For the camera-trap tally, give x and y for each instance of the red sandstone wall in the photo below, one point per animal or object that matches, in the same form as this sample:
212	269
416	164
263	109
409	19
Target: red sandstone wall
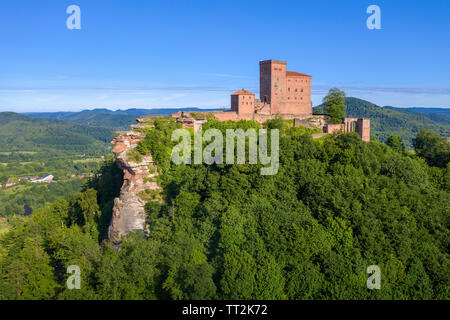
278	87
298	95
287	94
246	104
350	124
333	128
273	84
226	115
363	129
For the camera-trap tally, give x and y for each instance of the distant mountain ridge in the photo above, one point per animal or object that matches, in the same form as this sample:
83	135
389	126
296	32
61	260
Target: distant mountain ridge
444	111
119	119
435	114
385	121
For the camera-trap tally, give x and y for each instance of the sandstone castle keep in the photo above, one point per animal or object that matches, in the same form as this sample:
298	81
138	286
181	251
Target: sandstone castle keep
283	93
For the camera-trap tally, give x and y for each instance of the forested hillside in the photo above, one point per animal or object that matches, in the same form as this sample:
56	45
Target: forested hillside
24	133
438	115
32	147
336	206
443	111
388	121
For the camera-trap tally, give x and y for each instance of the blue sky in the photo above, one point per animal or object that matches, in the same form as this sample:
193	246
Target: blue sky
144	54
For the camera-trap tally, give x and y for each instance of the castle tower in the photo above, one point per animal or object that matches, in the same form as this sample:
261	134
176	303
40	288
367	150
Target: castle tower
287	92
243	103
363	128
272	84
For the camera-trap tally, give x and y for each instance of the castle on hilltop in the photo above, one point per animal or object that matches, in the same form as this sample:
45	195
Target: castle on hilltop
283	93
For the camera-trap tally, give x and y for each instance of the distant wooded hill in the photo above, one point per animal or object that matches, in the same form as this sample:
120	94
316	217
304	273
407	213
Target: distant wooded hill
19	132
444	111
404	122
385	121
441	115
120	119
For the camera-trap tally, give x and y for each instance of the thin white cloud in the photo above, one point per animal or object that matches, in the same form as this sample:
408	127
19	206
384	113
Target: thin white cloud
405	90
106	88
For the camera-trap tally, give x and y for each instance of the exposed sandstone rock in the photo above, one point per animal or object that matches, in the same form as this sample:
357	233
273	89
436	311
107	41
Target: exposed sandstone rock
128	212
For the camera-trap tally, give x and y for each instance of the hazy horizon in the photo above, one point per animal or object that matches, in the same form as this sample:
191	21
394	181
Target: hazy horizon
114	109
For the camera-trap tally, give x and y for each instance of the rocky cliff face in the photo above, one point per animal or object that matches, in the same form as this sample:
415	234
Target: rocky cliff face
139	177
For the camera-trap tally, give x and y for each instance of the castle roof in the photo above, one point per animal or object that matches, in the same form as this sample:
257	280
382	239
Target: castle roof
296	74
242	92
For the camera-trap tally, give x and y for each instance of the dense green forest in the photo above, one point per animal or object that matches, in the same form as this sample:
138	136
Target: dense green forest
336	206
26	197
442	111
403	122
441	115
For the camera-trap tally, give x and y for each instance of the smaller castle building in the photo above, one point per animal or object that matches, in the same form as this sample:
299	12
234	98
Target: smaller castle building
243	103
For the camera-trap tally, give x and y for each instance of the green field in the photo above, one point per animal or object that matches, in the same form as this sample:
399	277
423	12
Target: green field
88	160
35	195
20	152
